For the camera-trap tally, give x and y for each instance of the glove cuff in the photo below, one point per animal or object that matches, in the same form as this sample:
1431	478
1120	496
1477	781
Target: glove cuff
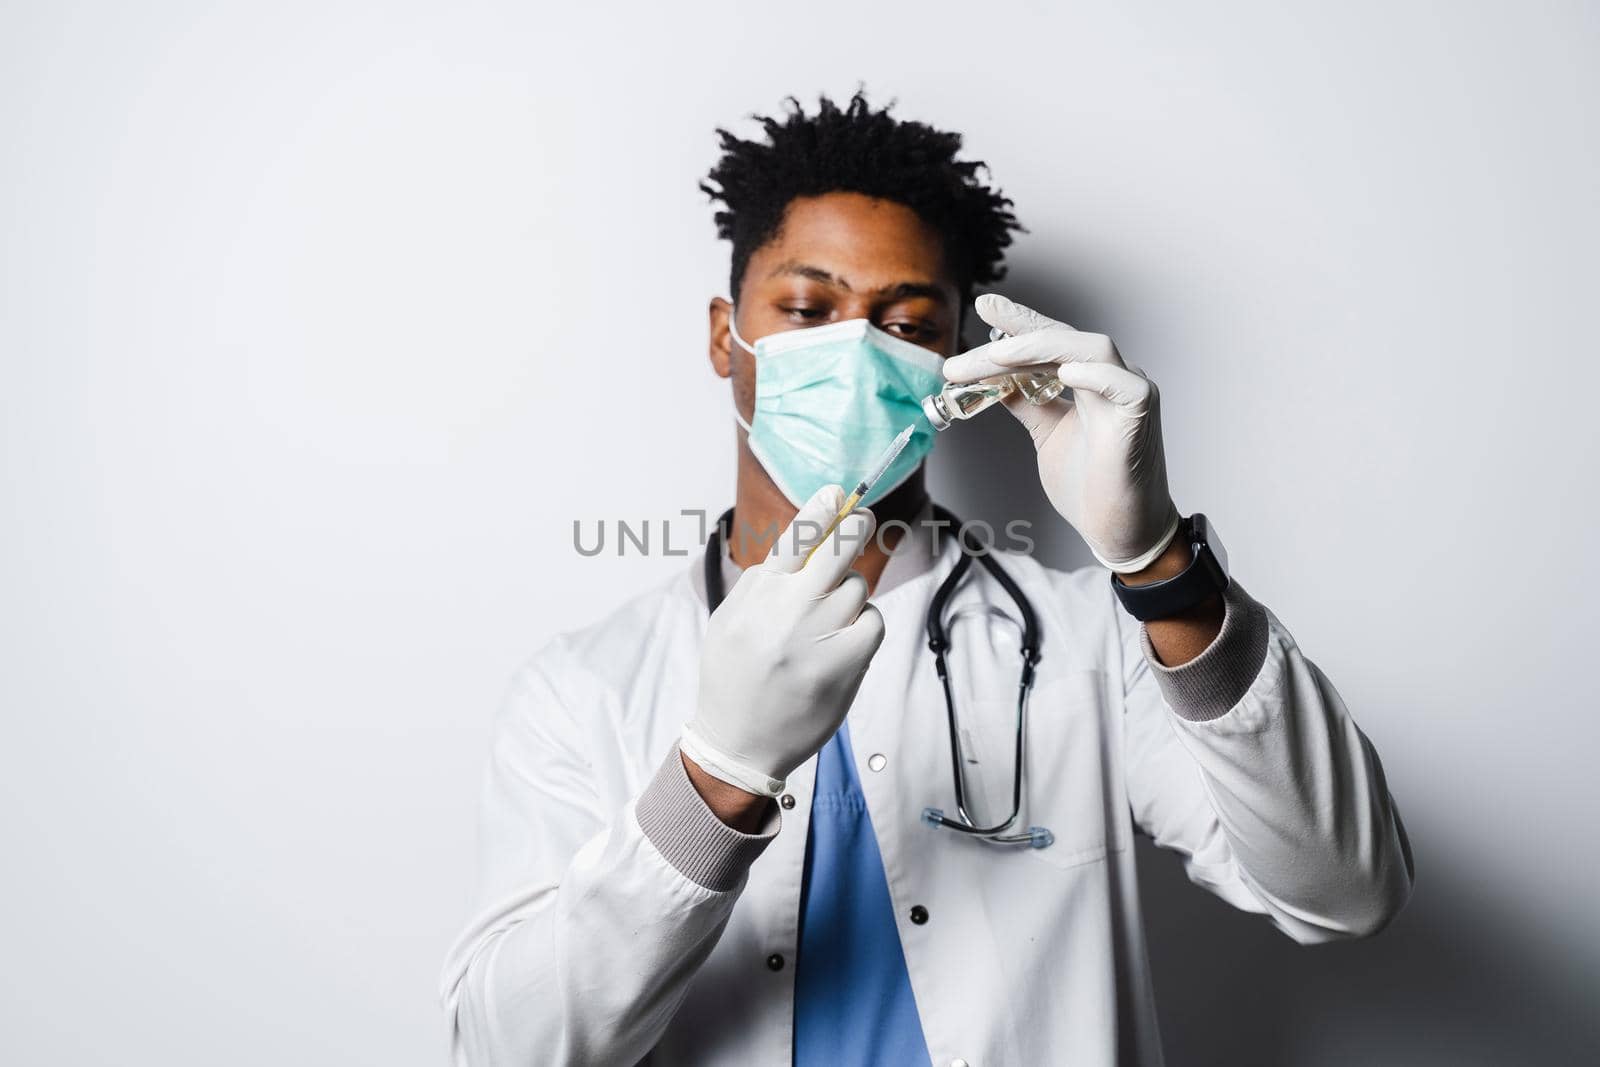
1144	559
725	768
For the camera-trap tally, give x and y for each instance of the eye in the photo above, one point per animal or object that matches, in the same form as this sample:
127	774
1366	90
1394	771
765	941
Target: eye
912	330
804	314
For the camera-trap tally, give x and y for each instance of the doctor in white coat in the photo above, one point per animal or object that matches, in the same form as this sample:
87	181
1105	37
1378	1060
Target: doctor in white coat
660	879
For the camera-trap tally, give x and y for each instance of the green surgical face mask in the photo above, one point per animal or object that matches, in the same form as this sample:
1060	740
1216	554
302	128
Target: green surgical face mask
830	399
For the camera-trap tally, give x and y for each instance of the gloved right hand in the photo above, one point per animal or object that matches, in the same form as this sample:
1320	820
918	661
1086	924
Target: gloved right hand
1100	455
785	653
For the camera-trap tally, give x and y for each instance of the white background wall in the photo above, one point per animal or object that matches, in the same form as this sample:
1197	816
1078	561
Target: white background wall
320	323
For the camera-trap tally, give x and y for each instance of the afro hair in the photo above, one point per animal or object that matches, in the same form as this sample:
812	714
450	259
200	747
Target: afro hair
861	150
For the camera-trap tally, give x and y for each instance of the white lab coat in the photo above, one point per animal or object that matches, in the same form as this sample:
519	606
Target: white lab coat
592	947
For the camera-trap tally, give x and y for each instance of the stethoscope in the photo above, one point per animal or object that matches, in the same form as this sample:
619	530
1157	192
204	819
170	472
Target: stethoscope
1005	832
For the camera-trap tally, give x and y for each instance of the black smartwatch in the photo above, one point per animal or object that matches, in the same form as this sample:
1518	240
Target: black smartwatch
1204	577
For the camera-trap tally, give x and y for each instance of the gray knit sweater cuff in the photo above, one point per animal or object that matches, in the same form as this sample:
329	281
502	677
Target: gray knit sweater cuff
1208	686
688	834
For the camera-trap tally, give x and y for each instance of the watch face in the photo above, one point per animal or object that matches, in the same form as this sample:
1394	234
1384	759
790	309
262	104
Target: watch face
1203	533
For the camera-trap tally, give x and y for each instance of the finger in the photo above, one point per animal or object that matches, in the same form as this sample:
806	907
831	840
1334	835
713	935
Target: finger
1117	384
789	552
840	608
860	640
835	556
1042	348
1013	318
1006	355
1040	420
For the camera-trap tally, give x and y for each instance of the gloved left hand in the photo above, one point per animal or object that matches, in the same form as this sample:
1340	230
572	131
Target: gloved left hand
1100	455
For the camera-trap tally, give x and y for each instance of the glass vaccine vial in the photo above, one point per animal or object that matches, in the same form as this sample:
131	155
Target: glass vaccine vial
956	402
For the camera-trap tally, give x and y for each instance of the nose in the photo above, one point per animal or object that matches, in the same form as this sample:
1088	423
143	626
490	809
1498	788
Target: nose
856	307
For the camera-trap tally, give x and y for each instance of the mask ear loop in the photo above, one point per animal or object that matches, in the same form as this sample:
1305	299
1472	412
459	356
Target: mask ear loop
733	332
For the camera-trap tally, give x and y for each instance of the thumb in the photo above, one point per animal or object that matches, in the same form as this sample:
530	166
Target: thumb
1040	420
1011	317
794	544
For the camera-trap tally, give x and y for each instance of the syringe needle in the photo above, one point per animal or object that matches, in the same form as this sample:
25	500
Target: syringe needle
864	486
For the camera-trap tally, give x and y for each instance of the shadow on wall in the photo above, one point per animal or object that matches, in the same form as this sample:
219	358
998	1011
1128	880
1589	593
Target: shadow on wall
1450	982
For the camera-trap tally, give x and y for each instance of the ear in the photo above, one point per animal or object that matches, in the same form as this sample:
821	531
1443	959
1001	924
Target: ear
721	351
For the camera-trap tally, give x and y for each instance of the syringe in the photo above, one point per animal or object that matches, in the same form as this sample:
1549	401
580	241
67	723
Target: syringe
864	486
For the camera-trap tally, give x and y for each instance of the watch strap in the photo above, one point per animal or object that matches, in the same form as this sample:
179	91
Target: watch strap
1202	579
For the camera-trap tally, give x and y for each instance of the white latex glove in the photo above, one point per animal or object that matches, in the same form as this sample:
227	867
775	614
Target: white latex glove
785	653
1100	456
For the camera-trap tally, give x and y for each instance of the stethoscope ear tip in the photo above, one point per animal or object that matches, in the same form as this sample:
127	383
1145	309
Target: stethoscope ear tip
1036	836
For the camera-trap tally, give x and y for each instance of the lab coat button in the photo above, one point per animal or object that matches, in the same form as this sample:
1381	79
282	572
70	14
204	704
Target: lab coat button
919	914
877	761
958	1063
775	962
787	800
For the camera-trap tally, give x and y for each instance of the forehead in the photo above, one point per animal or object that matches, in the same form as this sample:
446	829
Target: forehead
867	241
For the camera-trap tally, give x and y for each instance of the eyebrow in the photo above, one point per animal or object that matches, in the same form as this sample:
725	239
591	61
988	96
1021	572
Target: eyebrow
895	290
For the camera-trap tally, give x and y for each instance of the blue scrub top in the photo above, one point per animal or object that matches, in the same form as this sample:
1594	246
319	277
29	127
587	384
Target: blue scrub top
852	996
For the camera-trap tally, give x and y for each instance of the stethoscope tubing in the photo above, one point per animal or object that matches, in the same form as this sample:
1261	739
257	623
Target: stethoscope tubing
939	645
